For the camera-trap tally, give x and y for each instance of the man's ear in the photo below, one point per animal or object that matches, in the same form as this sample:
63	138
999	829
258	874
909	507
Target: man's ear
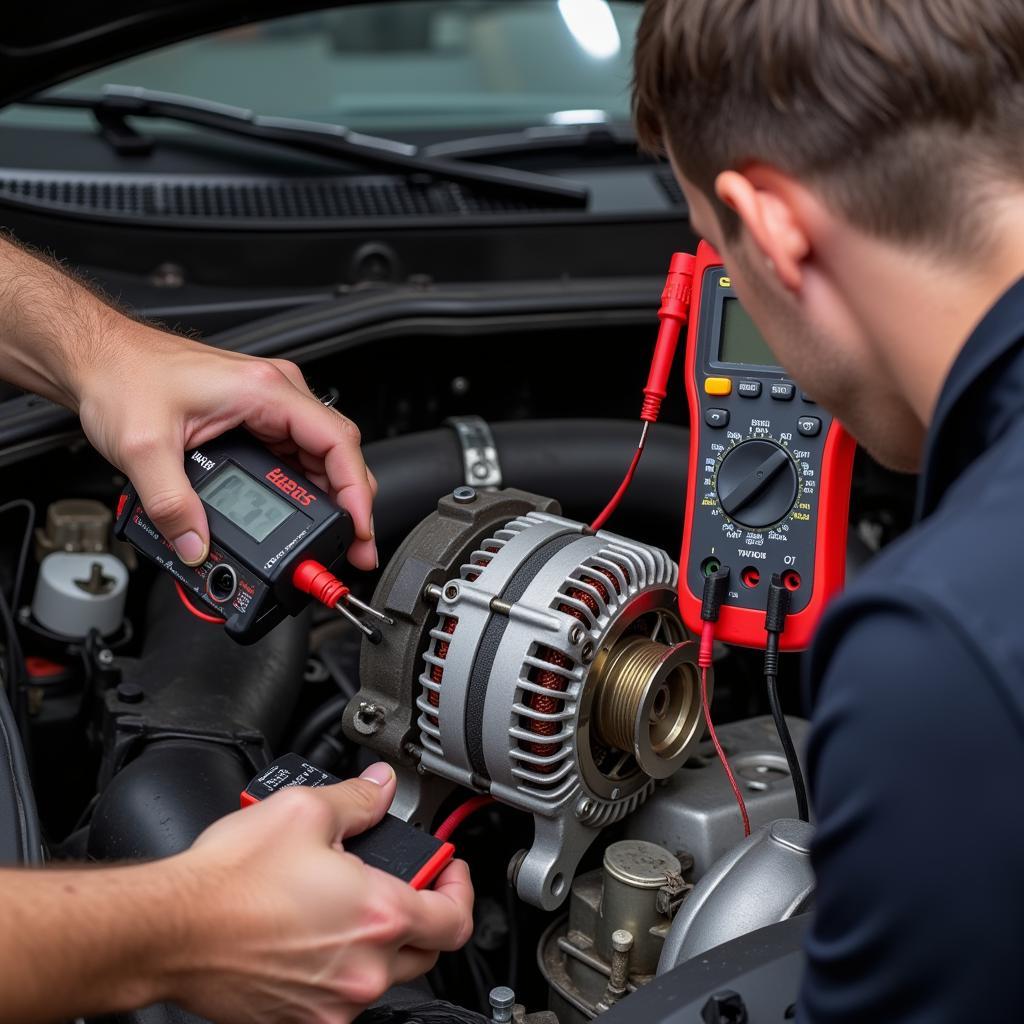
765	206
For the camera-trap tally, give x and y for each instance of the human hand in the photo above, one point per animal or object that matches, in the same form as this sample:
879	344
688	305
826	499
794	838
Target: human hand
294	929
148	396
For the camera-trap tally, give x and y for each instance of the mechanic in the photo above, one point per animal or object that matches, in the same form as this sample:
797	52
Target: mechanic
860	167
264	918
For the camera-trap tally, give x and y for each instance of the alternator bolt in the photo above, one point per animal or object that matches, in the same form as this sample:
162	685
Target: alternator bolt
588	652
502	999
514	865
576	635
583	807
451	592
368	718
464	495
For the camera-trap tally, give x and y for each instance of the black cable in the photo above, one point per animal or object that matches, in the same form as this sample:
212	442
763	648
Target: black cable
319	722
14	671
774	624
331	661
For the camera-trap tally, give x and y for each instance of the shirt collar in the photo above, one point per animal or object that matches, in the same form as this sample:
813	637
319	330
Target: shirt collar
983	391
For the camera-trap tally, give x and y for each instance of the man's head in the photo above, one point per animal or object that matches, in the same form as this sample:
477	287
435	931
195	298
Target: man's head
825	142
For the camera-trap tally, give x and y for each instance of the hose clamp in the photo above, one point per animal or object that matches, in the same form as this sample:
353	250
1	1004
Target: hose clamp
480	465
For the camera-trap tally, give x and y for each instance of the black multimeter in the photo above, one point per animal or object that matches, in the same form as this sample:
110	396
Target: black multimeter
265	519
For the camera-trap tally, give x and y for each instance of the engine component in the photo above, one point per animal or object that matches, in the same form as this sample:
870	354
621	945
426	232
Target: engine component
556	674
611	941
75	524
78	592
695	809
194	718
764	880
481	466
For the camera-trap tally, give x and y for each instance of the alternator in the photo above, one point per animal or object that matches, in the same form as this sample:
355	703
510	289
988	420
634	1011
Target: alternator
554	673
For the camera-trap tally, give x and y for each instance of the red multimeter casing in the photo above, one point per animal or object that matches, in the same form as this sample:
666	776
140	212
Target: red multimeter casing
769	476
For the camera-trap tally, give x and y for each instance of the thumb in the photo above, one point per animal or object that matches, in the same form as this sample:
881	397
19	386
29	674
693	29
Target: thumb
169	500
360	803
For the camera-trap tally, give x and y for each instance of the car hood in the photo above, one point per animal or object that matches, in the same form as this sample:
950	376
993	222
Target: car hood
49	43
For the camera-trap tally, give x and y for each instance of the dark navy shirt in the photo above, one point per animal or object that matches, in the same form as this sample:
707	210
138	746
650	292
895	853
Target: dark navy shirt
916	756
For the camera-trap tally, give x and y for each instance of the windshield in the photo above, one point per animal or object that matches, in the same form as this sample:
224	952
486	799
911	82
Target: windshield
477	65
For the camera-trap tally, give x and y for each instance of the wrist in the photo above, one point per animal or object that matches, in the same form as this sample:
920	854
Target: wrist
181	941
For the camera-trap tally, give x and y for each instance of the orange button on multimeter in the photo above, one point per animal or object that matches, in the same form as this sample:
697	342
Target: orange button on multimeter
717	386
392	845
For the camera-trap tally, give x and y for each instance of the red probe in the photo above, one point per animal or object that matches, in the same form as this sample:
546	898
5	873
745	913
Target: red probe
322	585
673	314
316	580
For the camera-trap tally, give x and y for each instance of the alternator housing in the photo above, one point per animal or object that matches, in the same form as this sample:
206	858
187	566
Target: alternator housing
556	675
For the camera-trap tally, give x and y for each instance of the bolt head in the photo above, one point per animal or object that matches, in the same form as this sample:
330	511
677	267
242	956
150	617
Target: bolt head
588	652
622	940
451	592
583	807
502	997
575	634
464	495
105	656
368	718
130	693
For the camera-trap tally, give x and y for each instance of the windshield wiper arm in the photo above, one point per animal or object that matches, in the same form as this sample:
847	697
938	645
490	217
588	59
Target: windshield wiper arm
535	140
118	102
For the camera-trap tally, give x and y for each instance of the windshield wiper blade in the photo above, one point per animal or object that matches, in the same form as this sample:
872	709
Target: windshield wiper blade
535	140
118	102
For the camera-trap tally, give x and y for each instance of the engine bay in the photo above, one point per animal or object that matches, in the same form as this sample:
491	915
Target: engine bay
530	660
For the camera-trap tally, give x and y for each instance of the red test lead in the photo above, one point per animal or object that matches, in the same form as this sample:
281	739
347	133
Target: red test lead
673	314
316	580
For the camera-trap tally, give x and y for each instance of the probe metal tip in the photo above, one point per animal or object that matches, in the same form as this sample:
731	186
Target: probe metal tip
371	634
369	611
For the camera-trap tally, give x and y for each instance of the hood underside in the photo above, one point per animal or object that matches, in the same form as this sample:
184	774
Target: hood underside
42	45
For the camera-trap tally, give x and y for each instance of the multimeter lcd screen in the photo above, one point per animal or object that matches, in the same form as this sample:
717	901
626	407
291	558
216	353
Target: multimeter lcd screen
253	508
741	340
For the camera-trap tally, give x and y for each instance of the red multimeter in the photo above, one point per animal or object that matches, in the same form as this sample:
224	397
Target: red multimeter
769	478
392	845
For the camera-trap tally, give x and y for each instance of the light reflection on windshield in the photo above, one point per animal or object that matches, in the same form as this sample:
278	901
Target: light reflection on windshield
473	64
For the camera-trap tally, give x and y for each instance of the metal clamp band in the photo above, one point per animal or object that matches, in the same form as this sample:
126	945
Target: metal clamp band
481	467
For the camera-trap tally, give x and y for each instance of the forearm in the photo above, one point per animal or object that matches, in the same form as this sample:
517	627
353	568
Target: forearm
94	940
51	327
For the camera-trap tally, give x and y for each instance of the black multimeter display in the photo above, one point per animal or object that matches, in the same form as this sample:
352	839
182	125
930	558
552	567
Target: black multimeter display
265	519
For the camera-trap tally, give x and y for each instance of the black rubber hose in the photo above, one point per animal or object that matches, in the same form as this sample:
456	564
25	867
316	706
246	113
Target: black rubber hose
197	680
580	462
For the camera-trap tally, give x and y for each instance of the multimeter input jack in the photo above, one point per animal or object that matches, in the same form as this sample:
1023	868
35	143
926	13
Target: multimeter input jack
751	576
791	579
710	566
221	583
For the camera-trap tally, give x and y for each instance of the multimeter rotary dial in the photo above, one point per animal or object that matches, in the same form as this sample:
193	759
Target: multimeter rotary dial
757	483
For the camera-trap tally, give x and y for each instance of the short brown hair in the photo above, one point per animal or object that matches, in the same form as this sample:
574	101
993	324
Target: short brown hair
891	108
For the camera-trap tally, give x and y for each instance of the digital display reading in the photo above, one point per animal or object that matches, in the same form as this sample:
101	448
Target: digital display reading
253	508
741	340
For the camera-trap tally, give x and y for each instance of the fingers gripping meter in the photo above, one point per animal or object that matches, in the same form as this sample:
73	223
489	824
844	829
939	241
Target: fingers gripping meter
769	474
265	520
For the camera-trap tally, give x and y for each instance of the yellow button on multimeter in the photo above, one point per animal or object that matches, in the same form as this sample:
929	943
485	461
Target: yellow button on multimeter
717	386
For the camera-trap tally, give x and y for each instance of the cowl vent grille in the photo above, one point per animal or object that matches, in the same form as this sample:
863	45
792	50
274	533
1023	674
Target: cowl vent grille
248	200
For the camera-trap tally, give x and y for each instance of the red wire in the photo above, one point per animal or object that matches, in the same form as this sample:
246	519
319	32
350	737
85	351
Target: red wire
459	815
215	619
623	487
721	753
